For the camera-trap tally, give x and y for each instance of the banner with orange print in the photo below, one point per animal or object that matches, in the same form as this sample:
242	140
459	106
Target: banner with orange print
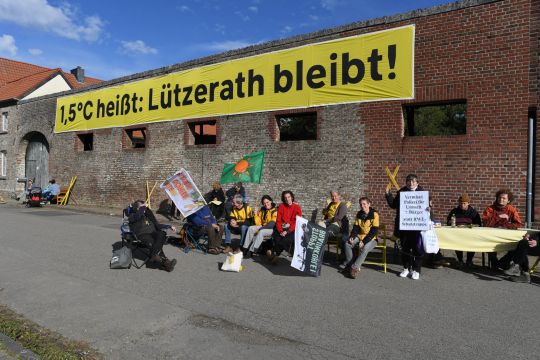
184	193
247	169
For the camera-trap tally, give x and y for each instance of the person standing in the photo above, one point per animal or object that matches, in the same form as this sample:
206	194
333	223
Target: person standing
411	240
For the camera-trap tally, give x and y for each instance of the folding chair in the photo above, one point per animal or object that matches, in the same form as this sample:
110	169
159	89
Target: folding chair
194	239
130	240
381	245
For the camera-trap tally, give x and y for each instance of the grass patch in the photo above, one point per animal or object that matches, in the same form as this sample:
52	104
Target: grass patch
45	343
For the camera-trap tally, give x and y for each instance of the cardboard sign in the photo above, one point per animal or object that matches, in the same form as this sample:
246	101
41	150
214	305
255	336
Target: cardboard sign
414	210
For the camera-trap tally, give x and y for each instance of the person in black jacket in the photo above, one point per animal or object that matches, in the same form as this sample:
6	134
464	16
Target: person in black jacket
464	214
216	200
146	228
411	240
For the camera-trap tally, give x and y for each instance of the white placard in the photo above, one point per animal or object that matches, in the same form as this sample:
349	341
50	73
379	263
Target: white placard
184	193
414	210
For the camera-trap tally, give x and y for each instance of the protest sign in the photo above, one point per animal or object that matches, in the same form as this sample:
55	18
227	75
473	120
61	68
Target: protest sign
414	210
309	242
184	193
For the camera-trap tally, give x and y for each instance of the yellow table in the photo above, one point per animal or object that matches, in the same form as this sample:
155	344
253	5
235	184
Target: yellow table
478	239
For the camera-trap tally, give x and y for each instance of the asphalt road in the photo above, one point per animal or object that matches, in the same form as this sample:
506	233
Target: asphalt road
54	270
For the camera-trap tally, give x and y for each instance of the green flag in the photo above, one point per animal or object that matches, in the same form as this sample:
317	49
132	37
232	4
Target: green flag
248	169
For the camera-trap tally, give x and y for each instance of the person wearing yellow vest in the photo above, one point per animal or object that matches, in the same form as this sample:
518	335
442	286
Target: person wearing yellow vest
363	236
265	219
334	214
238	222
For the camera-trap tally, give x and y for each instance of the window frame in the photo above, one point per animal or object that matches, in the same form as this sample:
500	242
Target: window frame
193	137
408	110
296	113
81	142
129	144
3	164
4	119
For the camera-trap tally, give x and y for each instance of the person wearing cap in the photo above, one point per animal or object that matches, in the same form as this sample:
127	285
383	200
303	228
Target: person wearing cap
464	214
412	249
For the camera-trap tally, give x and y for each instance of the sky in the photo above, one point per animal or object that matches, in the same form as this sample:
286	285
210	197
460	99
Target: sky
114	38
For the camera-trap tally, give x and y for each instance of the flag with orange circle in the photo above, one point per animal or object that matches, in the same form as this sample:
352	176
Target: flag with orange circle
247	169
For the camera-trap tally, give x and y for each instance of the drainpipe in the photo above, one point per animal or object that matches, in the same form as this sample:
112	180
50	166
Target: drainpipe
530	165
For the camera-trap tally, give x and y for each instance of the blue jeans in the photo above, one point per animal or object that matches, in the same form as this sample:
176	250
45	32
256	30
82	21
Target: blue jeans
241	230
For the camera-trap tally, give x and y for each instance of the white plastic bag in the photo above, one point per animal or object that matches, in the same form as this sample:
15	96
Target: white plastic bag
430	241
233	262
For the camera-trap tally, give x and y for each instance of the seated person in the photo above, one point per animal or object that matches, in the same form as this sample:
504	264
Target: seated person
25	194
216	200
519	262
363	236
144	225
265	219
238	222
334	214
464	215
501	215
51	191
203	222
285	224
236	189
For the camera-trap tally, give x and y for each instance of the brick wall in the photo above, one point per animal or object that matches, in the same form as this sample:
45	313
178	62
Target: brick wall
480	51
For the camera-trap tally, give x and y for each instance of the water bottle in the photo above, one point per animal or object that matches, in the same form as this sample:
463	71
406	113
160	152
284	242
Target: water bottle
453	220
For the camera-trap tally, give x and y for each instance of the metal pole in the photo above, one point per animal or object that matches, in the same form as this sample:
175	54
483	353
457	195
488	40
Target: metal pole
530	166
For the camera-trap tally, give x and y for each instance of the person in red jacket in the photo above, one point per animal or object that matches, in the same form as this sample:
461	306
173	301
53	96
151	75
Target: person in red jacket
501	215
285	223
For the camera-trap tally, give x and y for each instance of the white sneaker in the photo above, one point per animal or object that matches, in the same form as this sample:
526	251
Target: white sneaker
415	275
404	273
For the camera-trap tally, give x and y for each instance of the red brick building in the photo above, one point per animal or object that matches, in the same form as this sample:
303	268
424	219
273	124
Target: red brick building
479	54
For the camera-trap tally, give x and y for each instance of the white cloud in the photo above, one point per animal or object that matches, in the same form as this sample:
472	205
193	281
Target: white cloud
286	29
136	47
329	4
184	8
35	52
313	17
242	16
60	20
7	45
223	45
253	9
220	28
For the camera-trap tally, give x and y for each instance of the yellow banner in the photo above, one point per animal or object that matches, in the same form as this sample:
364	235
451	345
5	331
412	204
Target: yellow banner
369	67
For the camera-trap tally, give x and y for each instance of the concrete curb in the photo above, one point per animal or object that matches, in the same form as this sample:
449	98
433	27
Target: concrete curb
14	347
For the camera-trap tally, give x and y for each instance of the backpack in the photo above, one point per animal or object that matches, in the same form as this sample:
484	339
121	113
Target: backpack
121	258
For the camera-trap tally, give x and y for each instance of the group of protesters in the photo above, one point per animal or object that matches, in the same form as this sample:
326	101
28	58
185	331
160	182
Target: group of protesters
269	230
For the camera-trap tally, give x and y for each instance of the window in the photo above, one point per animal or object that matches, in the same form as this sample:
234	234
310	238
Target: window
86	141
293	127
436	119
137	137
3	164
4	124
203	132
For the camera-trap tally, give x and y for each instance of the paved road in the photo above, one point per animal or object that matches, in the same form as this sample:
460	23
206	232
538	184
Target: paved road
54	270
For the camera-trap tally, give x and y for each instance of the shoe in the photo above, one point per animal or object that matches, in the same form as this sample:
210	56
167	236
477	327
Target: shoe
460	264
415	275
354	272
404	273
168	265
514	270
248	255
227	249
269	253
342	266
274	260
525	278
